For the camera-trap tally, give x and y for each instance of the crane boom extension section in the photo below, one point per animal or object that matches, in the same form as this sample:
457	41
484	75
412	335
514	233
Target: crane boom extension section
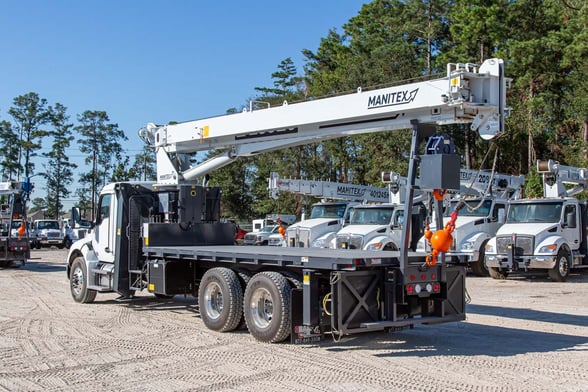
168	237
467	94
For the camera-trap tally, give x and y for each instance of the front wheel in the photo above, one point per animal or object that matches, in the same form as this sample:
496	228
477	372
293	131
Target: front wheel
67	242
266	307
497	273
220	298
78	282
561	269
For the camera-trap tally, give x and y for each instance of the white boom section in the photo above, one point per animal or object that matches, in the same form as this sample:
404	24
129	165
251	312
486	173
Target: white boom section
556	176
468	94
10	188
328	189
498	185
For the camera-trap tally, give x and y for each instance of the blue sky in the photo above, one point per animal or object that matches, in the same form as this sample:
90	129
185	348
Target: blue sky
154	60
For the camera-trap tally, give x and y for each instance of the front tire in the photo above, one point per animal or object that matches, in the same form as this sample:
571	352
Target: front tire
497	273
67	242
266	307
78	282
479	267
561	269
220	298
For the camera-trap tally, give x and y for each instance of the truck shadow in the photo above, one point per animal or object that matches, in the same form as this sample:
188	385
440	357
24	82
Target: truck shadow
41	266
529	314
463	339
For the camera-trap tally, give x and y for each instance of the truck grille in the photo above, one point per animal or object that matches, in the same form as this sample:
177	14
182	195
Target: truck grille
523	244
53	235
349	242
274	241
303	238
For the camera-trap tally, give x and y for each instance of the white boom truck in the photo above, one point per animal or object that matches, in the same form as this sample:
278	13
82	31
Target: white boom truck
167	237
544	234
379	227
326	217
481	216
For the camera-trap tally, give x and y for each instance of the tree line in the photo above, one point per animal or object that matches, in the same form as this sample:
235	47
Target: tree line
544	44
36	123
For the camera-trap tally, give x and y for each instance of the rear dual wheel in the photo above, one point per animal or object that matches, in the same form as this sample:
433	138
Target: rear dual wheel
220	297
266	306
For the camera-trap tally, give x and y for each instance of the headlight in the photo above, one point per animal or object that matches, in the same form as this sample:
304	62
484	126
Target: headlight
468	245
376	246
320	243
489	248
548	249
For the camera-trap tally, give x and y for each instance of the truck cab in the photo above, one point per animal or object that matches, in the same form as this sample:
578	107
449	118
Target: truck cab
47	233
540	234
378	227
478	221
326	218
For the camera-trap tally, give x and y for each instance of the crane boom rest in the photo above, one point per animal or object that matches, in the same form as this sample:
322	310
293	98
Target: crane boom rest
14	241
167	237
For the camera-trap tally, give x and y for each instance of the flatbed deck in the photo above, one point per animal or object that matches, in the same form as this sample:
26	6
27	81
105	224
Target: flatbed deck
283	256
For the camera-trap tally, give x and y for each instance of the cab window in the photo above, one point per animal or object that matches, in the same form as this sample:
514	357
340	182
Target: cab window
103	209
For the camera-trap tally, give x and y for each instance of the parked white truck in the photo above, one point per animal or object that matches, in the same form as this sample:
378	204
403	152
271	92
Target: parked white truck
327	216
544	234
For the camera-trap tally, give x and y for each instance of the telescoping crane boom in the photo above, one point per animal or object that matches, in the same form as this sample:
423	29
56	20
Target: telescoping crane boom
467	94
168	238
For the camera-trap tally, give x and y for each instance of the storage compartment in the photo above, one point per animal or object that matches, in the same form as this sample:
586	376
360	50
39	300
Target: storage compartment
170	277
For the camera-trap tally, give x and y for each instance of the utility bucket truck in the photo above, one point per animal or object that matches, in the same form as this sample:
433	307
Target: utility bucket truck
14	234
544	234
167	237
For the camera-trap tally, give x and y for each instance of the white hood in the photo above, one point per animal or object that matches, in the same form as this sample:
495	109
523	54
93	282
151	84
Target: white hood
525	228
310	223
360	229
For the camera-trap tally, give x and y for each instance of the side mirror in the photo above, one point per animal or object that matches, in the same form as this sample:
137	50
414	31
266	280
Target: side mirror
501	215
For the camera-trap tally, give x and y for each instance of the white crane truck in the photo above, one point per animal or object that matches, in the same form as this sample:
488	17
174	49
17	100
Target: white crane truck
544	234
485	196
167	237
379	227
327	216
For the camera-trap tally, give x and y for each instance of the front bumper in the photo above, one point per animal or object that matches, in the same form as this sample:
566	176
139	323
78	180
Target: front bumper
520	262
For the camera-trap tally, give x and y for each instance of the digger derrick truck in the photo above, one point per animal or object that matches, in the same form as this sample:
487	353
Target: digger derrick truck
14	240
327	216
167	237
544	234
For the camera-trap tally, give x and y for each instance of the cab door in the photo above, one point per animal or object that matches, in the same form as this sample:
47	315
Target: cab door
103	240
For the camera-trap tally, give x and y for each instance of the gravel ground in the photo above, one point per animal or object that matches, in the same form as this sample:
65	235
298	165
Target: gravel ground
522	334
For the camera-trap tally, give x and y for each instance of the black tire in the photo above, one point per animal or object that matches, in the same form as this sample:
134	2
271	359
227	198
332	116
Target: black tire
266	306
67	242
479	267
244	278
293	278
220	297
497	273
78	282
561	269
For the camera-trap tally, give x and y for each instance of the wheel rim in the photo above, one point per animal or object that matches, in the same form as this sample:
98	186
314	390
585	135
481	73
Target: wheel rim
563	266
262	308
213	300
77	281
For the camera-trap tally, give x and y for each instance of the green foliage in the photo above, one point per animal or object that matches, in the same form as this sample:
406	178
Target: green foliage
29	112
100	139
58	170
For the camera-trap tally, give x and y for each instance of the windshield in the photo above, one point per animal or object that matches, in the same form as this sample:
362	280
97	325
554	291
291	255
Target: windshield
539	212
15	224
328	211
268	229
48	225
371	216
471	208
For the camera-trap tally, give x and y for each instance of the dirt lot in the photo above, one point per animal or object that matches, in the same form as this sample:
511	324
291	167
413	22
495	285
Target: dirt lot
523	334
